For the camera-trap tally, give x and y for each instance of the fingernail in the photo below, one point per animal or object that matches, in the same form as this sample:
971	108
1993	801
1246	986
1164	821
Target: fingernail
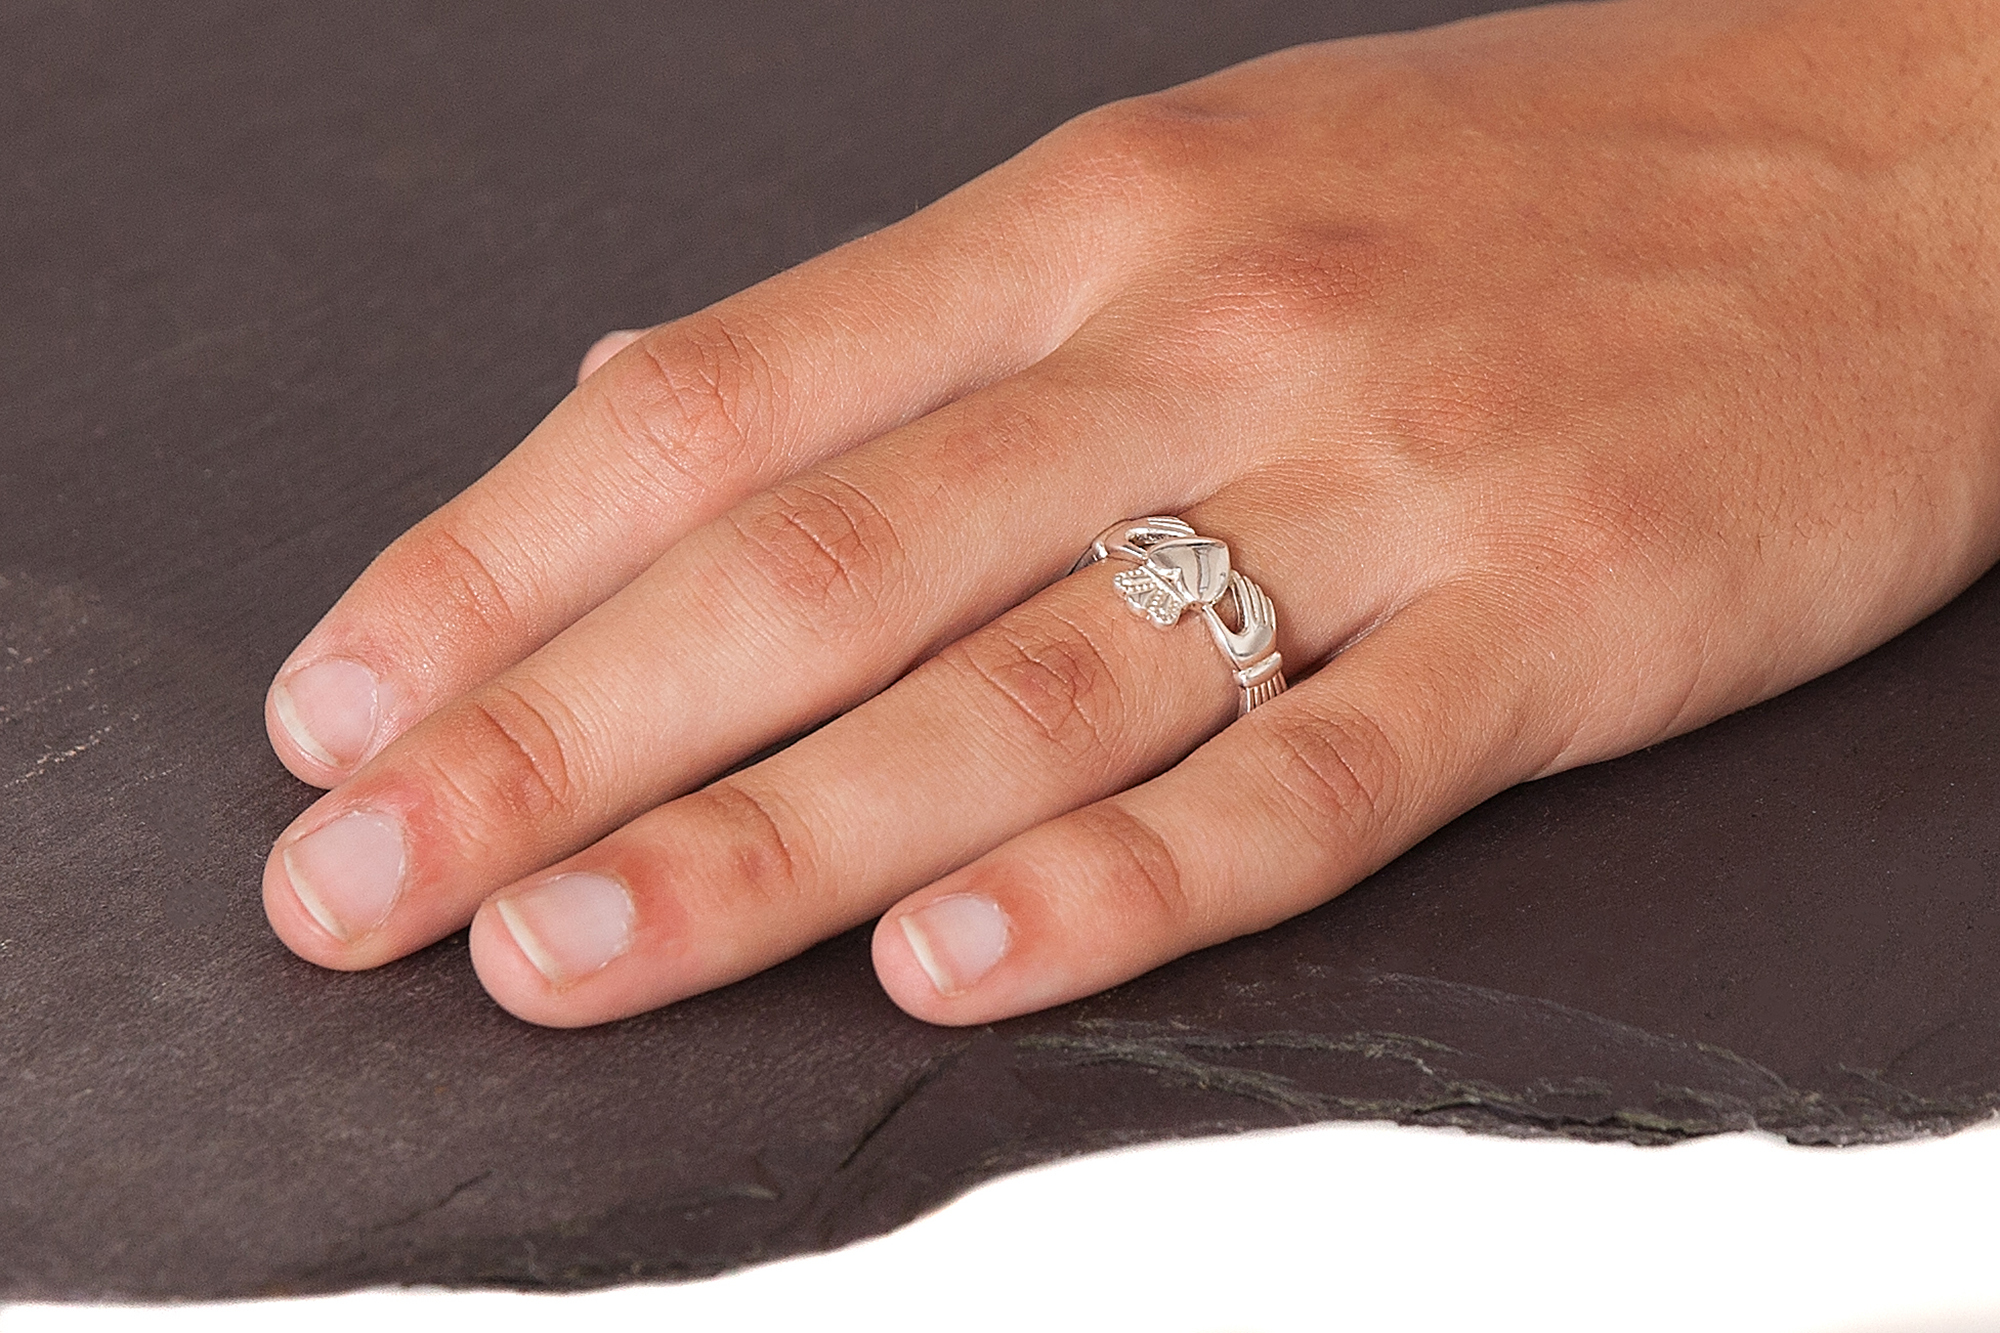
571	925
348	873
958	939
330	709
610	345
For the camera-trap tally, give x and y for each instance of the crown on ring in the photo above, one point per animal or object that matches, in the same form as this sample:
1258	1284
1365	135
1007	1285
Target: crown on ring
1174	571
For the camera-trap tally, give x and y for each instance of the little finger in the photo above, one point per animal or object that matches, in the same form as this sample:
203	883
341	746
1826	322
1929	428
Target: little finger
1284	809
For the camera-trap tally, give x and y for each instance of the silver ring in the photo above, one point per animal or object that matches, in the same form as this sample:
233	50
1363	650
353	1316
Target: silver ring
1175	570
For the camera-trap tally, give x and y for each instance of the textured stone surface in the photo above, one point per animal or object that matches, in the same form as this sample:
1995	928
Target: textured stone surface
278	281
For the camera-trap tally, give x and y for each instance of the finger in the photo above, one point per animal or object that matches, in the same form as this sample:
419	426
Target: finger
1059	702
682	423
601	351
799	604
1287	807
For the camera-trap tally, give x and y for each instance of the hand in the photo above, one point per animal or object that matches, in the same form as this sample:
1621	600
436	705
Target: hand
1567	378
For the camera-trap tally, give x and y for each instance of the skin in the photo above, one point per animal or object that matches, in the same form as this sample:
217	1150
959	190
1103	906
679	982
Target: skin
1567	378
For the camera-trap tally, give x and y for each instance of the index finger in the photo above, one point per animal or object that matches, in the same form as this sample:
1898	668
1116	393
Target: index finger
685	421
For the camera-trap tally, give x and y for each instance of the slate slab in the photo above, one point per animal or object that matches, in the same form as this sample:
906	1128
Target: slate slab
279	279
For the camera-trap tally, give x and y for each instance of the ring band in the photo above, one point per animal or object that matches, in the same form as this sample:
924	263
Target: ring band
1175	570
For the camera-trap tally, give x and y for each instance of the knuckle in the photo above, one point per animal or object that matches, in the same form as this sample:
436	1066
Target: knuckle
765	857
1140	873
1059	687
695	404
989	442
522	745
1128	149
1336	774
1301	282
459	587
827	550
1583	522
1615	513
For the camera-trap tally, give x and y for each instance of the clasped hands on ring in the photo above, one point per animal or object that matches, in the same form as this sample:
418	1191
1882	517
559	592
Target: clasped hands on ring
1176	571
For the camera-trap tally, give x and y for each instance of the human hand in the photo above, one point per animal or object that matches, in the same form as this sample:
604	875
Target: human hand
1568	379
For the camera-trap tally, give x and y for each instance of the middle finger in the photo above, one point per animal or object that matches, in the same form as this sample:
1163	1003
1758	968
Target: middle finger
1061	701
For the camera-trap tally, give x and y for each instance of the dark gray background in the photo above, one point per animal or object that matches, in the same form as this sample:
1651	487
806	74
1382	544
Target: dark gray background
278	280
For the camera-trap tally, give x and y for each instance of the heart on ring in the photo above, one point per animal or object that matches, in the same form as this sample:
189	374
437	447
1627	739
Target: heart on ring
1177	574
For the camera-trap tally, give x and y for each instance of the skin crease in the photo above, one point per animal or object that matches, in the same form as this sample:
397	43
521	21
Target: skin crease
1568	378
